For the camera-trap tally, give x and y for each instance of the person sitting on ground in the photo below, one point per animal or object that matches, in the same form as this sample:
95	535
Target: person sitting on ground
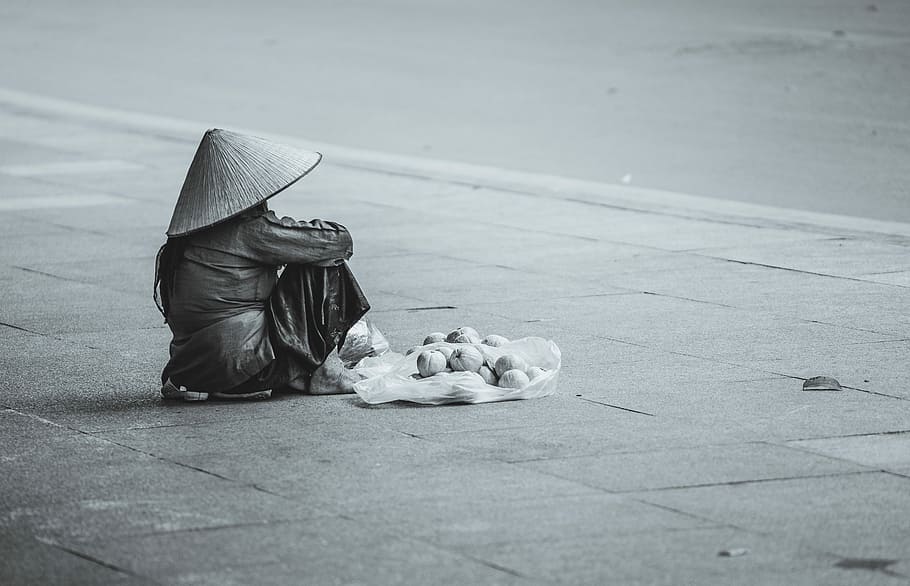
239	329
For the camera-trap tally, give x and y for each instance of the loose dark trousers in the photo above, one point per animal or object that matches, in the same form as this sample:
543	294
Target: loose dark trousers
309	314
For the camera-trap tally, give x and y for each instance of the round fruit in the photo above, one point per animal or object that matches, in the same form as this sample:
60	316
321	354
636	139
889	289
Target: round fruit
487	374
514	379
446	351
434	337
509	362
466	358
536	371
495	340
466	339
462	330
430	362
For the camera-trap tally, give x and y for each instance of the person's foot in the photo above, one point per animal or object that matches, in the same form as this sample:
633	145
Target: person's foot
171	391
332	378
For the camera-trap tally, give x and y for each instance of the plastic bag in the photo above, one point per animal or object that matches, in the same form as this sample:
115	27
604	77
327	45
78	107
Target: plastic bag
390	377
363	339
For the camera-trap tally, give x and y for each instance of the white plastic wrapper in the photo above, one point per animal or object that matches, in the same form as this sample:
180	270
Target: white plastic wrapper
390	377
363	339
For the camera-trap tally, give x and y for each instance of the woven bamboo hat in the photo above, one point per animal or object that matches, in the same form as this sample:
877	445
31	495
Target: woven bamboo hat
231	173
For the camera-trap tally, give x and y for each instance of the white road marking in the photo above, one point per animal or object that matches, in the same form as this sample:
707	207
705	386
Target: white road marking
69	168
58	201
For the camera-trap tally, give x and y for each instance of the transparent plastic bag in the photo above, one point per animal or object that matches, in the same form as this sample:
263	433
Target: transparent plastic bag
390	377
363	340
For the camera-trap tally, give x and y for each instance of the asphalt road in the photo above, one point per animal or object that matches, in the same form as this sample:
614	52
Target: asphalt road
798	103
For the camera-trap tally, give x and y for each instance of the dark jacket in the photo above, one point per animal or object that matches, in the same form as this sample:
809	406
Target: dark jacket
217	310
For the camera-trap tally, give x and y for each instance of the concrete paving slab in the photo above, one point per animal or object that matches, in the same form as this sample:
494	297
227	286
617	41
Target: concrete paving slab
30	561
607	222
889	451
616	430
451	526
356	476
773	409
97	515
81	378
675	467
850	515
110	143
127	275
899	278
128	491
36	474
320	551
22	188
691	327
145	409
13	225
398	272
687	556
486	283
145	183
783	292
282	434
662	263
839	256
450	422
116	218
56	245
868	366
53	305
654	230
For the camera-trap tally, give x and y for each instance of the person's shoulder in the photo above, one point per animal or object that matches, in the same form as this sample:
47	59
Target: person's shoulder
285	221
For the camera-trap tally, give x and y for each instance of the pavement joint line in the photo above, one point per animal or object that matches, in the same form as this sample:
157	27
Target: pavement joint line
712	522
95	560
617	407
806	450
849	435
703	250
19	214
637	198
489	564
801	271
252	485
21	329
206	528
401	535
621	452
748	482
868	392
691	299
878	393
52	275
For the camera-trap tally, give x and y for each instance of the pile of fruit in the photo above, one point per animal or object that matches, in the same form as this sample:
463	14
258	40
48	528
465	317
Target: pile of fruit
462	350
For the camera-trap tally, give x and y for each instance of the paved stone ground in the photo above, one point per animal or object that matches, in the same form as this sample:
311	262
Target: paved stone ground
679	430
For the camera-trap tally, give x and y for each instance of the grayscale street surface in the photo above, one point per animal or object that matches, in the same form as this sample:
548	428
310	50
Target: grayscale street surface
703	203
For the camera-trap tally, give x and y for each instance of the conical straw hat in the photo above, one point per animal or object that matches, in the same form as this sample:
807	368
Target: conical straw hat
231	173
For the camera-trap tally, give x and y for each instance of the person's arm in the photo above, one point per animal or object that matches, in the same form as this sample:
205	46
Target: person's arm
288	241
